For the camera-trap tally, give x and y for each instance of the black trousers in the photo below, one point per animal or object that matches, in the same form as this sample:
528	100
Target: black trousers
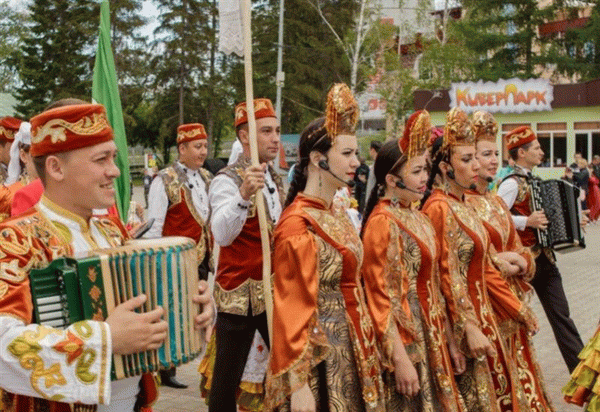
234	335
549	288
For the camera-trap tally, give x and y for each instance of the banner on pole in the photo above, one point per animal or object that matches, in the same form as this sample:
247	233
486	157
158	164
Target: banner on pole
106	92
231	34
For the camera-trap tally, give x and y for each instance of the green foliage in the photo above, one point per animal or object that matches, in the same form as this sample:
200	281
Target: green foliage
577	54
502	37
13	25
54	61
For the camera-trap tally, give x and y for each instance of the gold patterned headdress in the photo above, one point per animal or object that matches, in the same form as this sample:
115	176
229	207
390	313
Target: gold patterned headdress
485	126
417	133
458	130
341	115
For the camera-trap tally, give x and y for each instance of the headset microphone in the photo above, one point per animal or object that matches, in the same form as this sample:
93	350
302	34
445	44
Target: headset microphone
489	179
325	166
400	185
451	175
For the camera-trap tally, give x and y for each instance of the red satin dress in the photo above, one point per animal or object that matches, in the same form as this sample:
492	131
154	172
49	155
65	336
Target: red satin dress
401	278
490	383
498	222
593	198
322	332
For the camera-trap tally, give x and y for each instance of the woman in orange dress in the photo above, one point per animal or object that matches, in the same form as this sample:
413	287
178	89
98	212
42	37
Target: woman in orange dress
498	222
400	273
490	382
323	355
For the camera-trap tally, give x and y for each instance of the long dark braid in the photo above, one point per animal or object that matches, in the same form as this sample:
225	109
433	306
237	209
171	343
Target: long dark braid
313	138
389	160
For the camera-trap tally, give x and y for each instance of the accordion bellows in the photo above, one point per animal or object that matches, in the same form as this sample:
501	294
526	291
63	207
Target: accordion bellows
166	270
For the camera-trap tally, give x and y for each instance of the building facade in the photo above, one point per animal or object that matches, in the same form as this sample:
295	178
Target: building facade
566	118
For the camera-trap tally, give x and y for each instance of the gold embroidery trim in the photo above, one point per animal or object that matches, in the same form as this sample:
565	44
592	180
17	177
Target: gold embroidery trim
10	134
238	300
25	348
190	133
56	129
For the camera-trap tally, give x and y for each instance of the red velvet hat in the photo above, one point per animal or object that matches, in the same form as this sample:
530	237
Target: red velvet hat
262	108
9	126
417	133
519	136
67	128
189	132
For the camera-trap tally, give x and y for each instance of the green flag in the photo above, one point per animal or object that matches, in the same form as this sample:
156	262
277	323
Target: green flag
105	91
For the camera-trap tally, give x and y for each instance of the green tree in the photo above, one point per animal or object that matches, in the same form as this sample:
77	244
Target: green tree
55	61
577	53
503	39
13	25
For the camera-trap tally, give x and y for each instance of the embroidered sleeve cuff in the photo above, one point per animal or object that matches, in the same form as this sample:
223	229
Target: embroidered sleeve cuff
281	385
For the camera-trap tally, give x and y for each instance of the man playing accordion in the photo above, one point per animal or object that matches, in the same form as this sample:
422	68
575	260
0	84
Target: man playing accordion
515	190
44	368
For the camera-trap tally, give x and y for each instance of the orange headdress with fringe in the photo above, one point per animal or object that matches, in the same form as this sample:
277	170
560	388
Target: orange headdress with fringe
485	126
341	115
417	133
458	130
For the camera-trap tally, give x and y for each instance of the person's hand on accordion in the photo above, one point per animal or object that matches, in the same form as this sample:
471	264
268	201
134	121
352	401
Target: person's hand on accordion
205	319
134	332
584	219
537	220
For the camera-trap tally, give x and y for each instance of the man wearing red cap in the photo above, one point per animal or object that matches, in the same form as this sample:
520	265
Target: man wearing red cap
9	126
525	150
234	223
179	203
43	368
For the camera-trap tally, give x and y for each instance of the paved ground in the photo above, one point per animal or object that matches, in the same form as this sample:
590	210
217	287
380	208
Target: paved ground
581	282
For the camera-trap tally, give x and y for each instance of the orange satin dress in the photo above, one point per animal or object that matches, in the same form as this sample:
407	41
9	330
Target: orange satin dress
322	332
7	193
498	222
400	273
490	384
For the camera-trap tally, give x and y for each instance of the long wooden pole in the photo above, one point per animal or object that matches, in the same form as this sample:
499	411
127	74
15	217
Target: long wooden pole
260	203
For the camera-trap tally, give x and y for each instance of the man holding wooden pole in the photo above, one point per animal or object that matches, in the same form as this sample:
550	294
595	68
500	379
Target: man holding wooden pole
239	291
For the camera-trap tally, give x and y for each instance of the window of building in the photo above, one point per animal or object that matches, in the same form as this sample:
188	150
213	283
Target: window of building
553	139
587	139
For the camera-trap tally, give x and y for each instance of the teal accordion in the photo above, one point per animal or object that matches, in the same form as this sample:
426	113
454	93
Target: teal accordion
165	270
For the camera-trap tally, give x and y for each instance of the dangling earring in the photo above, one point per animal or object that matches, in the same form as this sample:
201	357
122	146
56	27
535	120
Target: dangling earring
446	187
320	183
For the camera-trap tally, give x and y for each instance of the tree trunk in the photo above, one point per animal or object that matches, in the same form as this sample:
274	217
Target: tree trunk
358	46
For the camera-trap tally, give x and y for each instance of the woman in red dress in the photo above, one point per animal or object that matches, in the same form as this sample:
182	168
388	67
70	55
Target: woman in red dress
498	222
593	196
490	382
323	353
400	273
